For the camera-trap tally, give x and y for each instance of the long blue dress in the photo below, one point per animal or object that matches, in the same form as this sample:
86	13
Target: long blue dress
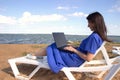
57	59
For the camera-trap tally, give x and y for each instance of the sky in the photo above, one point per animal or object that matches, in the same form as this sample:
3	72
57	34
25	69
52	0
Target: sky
47	16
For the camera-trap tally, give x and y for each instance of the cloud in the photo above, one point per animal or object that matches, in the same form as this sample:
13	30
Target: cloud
78	14
62	8
113	29
66	8
7	20
116	7
28	18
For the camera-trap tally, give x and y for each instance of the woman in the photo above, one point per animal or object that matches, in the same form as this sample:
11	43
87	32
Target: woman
73	57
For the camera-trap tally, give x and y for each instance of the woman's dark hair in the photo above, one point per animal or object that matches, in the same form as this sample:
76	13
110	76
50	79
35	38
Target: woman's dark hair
99	25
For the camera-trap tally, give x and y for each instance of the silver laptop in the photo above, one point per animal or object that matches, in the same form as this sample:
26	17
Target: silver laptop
59	39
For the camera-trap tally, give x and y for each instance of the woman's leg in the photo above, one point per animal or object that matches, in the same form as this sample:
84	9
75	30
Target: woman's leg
42	52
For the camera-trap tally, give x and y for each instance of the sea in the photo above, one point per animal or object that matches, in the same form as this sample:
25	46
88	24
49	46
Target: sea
42	38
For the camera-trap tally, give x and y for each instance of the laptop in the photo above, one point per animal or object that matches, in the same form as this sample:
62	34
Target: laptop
60	40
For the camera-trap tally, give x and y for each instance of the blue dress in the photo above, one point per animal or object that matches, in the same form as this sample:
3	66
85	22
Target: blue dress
57	59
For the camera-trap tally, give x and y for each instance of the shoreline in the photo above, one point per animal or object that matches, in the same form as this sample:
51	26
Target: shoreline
8	51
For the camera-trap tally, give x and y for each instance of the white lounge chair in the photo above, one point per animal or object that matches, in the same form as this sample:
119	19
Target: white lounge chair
113	68
116	50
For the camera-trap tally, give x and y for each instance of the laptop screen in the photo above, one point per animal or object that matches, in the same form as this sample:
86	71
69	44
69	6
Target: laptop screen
59	39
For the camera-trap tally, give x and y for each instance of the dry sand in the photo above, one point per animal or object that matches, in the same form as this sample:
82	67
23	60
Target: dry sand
8	51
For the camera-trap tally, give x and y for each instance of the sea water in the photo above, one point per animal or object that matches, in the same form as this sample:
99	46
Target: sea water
41	38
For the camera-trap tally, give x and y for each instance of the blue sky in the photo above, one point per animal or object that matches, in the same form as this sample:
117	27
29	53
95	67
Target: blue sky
47	16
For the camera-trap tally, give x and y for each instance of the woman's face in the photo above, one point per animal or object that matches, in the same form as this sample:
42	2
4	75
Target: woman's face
91	26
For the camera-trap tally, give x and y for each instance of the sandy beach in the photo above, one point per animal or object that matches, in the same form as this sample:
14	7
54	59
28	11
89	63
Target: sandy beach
8	51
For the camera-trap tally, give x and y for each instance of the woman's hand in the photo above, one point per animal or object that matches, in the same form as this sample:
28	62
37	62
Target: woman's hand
87	57
69	48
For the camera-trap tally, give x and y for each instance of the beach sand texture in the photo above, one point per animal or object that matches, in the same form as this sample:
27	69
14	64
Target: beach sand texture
8	51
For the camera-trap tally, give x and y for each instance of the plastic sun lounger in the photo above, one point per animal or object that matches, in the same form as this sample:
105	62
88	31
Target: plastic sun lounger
113	68
116	50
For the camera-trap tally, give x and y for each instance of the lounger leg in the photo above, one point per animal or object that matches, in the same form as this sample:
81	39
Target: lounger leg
14	67
34	71
112	72
68	74
101	74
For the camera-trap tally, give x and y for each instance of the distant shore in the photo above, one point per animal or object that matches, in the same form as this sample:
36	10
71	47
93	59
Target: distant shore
8	51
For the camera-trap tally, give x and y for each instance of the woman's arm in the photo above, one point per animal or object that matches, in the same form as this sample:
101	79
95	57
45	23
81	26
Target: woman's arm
87	57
